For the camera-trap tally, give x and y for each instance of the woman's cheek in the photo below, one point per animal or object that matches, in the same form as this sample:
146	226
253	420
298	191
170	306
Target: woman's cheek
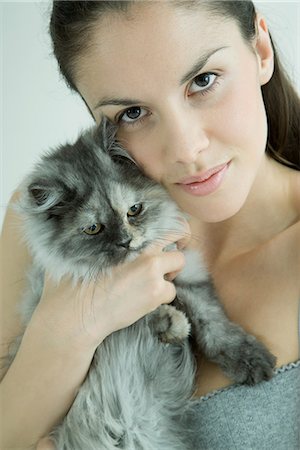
145	152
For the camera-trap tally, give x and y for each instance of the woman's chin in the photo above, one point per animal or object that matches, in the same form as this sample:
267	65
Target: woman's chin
214	212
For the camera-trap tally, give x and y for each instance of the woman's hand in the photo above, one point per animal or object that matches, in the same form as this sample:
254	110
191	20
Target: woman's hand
81	315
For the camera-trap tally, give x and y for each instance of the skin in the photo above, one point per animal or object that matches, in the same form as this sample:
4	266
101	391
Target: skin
174	130
248	230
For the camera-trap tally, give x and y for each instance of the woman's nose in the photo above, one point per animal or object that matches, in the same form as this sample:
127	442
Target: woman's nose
185	138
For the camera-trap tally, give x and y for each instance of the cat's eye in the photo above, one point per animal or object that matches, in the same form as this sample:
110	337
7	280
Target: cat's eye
135	210
96	228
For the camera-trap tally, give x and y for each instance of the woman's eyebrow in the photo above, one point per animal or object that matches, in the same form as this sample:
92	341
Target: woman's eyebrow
199	64
117	101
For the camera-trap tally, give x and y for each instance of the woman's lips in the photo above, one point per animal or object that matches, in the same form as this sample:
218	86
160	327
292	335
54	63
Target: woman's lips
204	183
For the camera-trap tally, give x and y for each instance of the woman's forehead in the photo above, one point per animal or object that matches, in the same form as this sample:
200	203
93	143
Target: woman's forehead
158	39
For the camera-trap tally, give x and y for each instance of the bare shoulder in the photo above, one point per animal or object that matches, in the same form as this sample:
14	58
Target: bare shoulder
15	260
294	231
297	252
296	190
296	198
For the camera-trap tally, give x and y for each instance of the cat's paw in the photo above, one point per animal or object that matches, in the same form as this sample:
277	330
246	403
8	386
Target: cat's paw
250	363
171	325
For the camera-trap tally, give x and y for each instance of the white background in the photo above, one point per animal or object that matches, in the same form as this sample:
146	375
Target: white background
38	111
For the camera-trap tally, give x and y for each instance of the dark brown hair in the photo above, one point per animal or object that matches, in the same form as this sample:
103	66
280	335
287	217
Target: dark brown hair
73	22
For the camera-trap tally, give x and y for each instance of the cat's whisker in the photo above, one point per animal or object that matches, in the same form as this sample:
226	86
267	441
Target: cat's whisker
192	237
181	234
88	282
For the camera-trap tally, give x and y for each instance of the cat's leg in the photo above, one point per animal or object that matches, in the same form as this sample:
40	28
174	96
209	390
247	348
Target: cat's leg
240	355
169	324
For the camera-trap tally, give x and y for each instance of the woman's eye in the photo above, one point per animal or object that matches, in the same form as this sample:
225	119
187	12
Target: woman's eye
132	114
203	82
135	210
96	228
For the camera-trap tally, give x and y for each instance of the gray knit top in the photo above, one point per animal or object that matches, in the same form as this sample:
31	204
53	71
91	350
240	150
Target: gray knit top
264	417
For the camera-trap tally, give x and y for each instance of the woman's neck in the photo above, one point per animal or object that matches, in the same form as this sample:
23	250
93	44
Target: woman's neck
269	209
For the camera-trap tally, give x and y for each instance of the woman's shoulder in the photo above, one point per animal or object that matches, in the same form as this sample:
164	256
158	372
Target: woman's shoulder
15	260
296	188
296	203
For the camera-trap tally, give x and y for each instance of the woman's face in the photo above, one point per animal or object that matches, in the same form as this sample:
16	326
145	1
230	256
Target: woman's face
185	91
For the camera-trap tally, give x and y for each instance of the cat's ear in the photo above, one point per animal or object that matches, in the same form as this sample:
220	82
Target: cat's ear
105	137
105	134
120	155
45	196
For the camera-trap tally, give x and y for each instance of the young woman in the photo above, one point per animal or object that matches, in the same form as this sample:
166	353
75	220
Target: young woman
203	105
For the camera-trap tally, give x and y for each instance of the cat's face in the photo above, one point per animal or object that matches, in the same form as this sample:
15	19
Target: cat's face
85	210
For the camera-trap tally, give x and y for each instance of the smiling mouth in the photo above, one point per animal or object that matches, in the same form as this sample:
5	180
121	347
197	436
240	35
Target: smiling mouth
204	183
202	176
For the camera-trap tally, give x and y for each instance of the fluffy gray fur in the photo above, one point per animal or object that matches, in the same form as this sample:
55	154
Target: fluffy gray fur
137	394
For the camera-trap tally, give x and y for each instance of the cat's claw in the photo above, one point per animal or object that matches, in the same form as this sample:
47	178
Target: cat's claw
250	364
171	325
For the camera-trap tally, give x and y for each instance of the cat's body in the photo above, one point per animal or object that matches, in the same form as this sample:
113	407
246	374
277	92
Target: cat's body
137	393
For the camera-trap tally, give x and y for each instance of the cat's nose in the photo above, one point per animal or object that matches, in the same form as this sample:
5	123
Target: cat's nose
125	243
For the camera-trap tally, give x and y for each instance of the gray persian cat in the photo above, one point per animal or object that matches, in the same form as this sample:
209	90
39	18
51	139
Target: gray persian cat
88	207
